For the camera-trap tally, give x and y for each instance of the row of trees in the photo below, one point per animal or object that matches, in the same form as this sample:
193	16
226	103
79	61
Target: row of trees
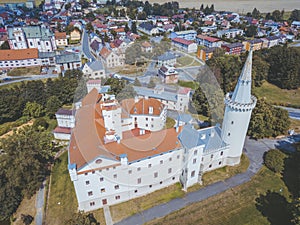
37	97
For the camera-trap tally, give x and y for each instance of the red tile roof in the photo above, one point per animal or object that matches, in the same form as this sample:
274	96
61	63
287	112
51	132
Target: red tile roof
30	53
105	52
62	130
210	39
86	147
182	41
142	106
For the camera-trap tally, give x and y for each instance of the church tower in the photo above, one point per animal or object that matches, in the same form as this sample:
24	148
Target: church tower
238	109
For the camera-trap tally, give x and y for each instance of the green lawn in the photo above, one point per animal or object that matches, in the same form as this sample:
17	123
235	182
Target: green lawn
277	96
187	61
234	206
190	84
23	71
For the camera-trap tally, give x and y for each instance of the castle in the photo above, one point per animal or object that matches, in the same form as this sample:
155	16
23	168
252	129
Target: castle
119	151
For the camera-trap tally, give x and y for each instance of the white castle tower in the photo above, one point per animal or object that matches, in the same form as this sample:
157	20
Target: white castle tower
238	108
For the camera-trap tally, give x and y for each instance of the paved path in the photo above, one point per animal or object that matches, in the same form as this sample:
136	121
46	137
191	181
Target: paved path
29	77
107	215
253	149
40	205
85	46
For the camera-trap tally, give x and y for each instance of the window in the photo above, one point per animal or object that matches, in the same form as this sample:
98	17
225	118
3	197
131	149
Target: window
93	171
155	174
170	159
101	179
152	125
87	182
195	152
150	186
90	193
104	201
107	169
149	165
152	119
139	169
210	166
173	178
193	173
86	173
139	180
117	187
102	190
161	162
229	134
146	124
92	203
194	161
135	191
146	118
232	122
221	153
178	156
220	163
212	155
115	176
160	182
170	170
117	197
202	159
130	171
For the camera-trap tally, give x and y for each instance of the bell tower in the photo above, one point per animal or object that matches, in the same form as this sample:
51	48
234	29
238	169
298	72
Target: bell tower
238	109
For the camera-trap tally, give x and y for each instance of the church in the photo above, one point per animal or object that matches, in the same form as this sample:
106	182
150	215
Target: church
121	150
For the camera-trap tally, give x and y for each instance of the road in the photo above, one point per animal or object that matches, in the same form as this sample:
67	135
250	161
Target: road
253	149
40	205
293	112
86	46
30	77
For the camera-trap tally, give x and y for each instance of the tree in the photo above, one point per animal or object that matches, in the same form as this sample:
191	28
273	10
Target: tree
89	27
75	73
274	160
26	219
33	110
276	15
5	45
40	123
256	13
126	93
151	83
251	31
137	82
295	15
116	85
133	27
106	38
126	28
24	166
68	6
52	105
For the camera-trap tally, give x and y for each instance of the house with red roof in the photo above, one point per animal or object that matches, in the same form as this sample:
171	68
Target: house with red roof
185	45
208	41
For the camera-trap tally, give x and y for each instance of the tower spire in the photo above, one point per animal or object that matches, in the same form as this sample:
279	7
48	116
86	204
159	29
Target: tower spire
242	91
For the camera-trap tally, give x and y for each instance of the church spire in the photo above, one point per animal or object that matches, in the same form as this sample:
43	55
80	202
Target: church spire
242	91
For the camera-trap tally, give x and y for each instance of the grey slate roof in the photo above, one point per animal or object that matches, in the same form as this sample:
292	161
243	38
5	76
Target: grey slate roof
212	140
165	95
189	137
33	32
166	56
67	58
95	65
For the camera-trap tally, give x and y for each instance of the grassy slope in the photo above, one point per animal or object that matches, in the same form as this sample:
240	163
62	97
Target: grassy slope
234	206
278	96
62	191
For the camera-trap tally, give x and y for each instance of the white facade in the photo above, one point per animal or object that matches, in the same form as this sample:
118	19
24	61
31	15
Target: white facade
8	64
93	70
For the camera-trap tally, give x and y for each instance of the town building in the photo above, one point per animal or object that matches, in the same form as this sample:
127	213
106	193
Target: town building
168	74
167	58
61	39
255	44
186	34
185	45
208	41
148	29
75	36
65	122
93	70
205	53
110	58
19	58
122	158
68	61
146	47
38	37
233	48
230	33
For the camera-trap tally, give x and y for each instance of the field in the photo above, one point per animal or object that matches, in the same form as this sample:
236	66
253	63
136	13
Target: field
23	71
277	96
240	6
234	206
37	2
